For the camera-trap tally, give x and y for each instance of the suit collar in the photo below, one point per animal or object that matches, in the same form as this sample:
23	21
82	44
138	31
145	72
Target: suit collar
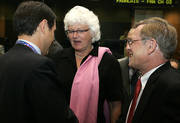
19	46
29	44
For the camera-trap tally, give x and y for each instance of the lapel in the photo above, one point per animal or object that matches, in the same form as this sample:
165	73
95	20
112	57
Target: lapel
150	85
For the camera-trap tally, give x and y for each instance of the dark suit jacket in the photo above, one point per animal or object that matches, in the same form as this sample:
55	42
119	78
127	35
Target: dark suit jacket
29	90
126	87
125	73
160	100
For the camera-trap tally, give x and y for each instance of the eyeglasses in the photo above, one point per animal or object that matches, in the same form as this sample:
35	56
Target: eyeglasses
130	42
70	32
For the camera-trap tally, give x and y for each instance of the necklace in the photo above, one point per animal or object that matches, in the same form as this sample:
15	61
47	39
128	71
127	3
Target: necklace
78	56
82	56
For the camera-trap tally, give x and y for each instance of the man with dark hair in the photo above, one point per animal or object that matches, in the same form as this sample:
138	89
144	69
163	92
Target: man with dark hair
29	89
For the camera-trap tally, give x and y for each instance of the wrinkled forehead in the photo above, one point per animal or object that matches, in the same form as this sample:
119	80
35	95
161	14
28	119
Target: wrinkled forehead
134	32
78	26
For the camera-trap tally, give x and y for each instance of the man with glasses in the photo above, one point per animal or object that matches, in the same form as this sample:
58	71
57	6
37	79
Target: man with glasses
150	45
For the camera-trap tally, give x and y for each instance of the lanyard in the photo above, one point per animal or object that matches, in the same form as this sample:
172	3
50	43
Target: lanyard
27	44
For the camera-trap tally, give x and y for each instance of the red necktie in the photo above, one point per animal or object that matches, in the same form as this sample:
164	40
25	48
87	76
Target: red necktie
133	105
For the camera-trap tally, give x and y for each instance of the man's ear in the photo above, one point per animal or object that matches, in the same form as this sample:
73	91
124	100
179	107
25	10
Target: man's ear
152	44
43	26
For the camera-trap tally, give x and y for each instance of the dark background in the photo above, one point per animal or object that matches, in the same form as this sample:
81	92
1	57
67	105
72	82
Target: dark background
115	19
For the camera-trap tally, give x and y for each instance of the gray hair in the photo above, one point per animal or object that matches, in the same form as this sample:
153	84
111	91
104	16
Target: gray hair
82	15
160	30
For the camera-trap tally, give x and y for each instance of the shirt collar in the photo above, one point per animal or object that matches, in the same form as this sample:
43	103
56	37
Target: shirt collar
146	76
33	45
